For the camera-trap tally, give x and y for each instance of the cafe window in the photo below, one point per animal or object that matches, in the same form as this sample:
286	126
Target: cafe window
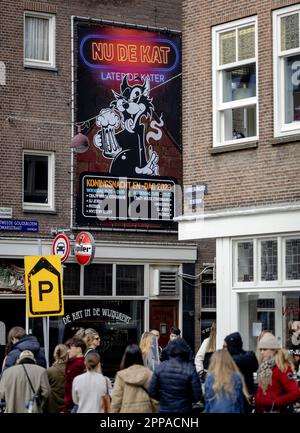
130	280
71	279
286	36
98	280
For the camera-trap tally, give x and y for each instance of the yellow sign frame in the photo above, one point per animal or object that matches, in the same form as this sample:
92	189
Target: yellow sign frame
44	288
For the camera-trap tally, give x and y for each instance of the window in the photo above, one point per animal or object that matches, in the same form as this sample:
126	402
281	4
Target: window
267	263
245	261
268	260
234	82
38	181
130	280
292	259
286	25
98	280
39	40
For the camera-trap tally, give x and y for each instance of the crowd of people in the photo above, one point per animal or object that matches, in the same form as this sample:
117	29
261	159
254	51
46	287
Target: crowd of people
151	379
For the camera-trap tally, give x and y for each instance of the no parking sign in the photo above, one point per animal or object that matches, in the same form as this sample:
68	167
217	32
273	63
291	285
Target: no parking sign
61	247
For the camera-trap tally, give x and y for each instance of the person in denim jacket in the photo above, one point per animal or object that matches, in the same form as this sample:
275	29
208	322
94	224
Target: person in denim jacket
224	387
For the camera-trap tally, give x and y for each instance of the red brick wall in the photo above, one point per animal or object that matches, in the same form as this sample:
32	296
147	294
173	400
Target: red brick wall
267	174
46	97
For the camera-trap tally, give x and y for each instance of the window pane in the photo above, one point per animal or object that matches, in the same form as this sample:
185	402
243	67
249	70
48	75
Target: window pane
289	32
71	280
292	89
98	280
268	260
239	83
240	122
292	259
227	47
36	38
245	261
246	43
130	280
35	179
208	295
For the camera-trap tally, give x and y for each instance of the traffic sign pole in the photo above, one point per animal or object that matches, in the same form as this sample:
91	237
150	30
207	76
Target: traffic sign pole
45	322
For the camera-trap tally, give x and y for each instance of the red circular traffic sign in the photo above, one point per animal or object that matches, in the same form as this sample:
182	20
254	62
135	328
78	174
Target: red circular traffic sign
84	248
61	247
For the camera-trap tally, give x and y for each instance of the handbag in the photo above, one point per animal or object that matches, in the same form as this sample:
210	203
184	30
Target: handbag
36	397
106	399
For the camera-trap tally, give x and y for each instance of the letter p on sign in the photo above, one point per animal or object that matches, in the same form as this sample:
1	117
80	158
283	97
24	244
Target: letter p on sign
44	290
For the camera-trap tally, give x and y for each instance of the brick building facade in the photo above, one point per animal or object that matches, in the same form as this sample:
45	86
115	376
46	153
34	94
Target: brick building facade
137	268
241	139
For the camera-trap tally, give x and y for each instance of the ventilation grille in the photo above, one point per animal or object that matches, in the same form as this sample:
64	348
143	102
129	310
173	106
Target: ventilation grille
168	283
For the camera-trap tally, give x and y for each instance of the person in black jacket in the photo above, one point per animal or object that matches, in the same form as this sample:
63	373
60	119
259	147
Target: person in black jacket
18	341
174	334
246	362
175	382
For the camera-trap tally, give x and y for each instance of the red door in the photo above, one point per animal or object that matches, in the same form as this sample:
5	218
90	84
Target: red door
163	315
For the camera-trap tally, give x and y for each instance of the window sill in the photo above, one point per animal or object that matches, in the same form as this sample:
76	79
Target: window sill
233	147
44	68
46	211
285	140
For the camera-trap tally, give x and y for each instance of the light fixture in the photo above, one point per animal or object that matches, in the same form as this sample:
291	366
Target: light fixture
80	142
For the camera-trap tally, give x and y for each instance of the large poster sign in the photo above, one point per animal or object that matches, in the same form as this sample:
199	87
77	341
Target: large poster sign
128	105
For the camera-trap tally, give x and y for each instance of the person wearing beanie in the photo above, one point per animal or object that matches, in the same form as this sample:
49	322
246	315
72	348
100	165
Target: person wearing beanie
245	360
277	387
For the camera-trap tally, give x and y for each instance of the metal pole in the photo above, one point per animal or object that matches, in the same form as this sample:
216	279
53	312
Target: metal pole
45	321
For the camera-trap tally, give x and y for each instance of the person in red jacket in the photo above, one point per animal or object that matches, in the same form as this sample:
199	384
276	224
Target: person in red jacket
74	366
277	387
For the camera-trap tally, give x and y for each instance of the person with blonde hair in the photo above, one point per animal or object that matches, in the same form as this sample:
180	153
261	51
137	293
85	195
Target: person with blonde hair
224	386
277	387
56	377
149	348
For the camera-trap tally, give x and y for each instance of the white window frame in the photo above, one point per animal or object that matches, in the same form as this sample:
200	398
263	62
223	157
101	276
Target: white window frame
50	64
218	105
280	127
257	284
50	206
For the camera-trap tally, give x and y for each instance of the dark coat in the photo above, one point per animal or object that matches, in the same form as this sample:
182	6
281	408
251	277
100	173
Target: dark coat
246	361
165	352
28	342
176	385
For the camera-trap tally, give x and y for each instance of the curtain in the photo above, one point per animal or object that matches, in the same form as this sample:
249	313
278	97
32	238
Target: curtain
37	38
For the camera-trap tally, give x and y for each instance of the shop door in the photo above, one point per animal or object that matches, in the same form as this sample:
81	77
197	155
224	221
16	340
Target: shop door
163	315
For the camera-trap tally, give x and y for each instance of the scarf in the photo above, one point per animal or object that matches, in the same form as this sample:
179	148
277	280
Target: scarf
264	373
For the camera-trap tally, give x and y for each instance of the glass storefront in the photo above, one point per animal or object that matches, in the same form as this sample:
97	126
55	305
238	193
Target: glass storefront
119	322
272	311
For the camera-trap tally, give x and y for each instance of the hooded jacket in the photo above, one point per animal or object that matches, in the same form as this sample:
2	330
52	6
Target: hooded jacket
175	382
128	395
28	342
246	361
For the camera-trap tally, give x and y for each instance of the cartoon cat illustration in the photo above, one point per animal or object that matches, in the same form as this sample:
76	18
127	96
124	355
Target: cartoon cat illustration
121	136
